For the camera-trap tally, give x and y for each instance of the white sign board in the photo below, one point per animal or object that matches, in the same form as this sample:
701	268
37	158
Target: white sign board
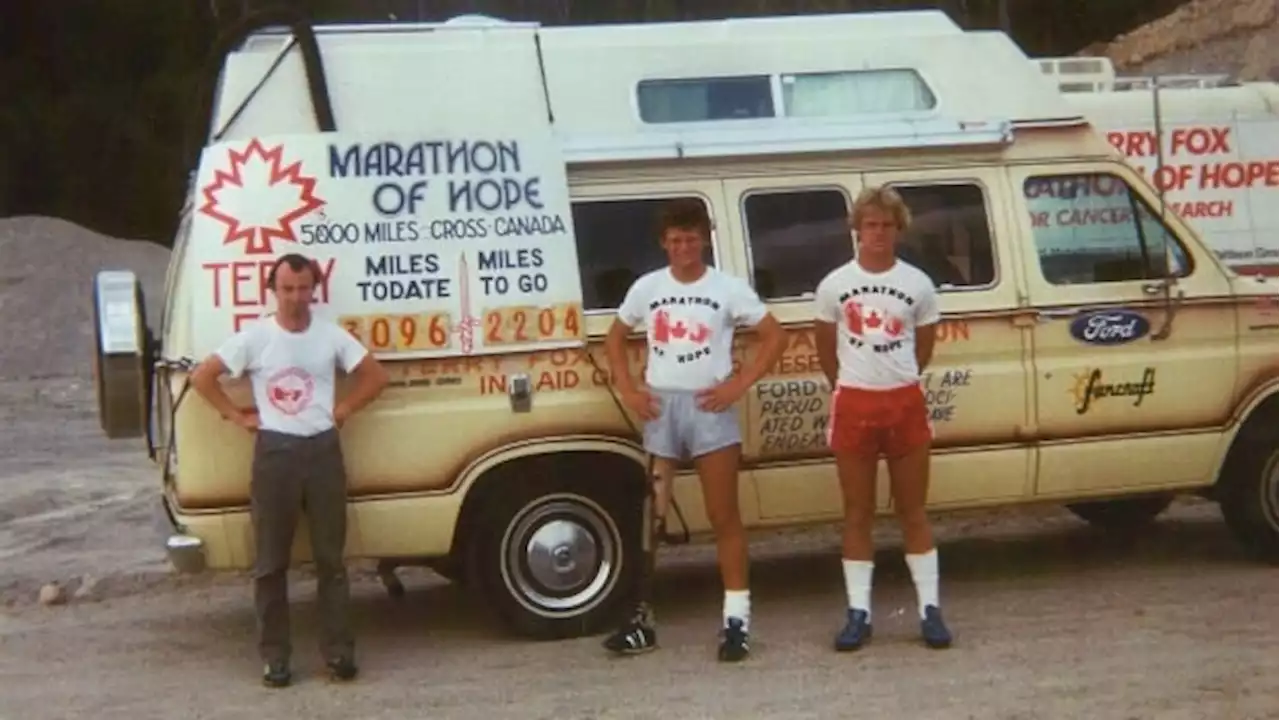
1222	177
427	246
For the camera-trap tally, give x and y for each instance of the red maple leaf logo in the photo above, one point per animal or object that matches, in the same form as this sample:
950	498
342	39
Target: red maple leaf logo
257	199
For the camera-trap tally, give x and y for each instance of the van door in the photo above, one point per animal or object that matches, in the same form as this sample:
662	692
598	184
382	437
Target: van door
793	232
1124	400
978	385
796	233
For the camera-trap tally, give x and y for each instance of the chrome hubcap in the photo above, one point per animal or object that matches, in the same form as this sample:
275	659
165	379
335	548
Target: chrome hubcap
561	555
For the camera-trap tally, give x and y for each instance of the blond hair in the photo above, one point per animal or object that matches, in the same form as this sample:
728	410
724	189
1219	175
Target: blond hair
883	198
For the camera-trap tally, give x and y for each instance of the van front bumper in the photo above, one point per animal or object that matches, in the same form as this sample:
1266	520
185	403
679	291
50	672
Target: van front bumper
186	553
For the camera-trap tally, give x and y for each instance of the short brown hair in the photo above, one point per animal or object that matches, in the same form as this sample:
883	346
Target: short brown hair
882	198
686	214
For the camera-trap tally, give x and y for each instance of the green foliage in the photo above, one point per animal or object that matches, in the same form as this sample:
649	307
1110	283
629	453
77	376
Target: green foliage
96	95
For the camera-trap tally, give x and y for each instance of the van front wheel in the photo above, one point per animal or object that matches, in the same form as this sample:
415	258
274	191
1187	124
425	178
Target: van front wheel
557	559
1247	489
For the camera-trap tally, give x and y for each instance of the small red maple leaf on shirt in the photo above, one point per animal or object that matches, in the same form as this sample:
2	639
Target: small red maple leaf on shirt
258	198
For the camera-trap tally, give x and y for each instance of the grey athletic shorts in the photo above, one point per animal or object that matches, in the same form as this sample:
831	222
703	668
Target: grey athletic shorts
682	429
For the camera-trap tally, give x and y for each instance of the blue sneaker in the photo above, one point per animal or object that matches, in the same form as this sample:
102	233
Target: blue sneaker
933	629
856	632
734	645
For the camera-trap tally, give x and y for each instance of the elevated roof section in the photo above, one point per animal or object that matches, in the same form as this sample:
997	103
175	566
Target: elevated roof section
717	88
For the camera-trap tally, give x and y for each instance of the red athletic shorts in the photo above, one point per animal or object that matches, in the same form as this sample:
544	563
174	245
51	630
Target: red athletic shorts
878	422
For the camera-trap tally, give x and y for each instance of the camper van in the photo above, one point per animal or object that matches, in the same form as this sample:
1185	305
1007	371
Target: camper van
479	194
1216	163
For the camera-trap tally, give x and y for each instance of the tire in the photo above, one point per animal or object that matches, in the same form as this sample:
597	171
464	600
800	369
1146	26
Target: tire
1122	514
1247	488
587	525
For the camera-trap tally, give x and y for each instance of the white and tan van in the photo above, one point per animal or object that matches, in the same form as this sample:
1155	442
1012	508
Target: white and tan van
480	194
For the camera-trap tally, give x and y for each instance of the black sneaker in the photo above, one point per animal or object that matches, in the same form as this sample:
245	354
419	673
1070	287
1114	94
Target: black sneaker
856	632
276	675
933	629
342	669
636	637
734	645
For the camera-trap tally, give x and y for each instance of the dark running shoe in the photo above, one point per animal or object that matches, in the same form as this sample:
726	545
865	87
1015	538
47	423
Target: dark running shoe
933	629
276	675
342	669
734	643
636	637
856	632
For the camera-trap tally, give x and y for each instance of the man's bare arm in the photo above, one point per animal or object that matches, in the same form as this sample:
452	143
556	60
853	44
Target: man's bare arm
615	349
205	381
773	341
370	377
824	338
925	339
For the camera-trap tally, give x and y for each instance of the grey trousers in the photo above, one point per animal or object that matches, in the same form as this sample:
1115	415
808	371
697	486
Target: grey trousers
290	475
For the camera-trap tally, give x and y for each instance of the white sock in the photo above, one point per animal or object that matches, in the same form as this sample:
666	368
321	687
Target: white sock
737	603
857	583
924	573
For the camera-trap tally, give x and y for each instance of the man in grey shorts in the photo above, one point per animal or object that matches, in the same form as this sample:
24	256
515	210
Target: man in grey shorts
297	457
683	429
687	399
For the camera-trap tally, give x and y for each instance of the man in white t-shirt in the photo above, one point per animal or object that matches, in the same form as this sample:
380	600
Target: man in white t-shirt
875	325
690	312
290	359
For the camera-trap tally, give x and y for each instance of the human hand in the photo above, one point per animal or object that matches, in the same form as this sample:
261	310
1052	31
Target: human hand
340	415
248	419
642	403
722	396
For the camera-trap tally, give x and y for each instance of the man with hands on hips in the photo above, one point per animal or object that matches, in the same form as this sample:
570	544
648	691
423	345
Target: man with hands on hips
290	358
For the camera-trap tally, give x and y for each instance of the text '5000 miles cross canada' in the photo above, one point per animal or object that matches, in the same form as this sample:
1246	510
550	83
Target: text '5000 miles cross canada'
425	247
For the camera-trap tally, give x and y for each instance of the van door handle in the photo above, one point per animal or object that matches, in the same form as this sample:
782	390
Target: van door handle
1057	314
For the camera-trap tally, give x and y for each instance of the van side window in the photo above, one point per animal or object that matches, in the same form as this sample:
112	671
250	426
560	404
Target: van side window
617	243
697	99
1091	228
796	237
949	237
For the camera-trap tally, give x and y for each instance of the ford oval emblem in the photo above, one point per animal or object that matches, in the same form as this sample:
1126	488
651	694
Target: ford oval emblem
1110	327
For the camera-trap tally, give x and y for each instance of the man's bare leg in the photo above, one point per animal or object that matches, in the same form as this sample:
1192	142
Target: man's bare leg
857	474
718	472
909	481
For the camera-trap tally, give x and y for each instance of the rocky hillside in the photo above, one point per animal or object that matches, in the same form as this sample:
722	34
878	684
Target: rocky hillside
1238	37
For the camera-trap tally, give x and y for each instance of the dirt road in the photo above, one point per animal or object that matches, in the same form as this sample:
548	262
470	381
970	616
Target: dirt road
1052	620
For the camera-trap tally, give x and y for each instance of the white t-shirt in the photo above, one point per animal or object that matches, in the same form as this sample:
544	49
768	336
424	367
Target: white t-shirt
690	325
876	315
292	372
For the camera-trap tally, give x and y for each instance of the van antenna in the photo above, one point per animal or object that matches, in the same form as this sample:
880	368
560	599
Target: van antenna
1155	101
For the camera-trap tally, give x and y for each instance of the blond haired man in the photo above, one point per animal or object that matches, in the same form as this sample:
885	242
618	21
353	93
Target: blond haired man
876	318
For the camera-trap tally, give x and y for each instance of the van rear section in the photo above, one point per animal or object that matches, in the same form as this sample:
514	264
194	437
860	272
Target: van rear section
1207	144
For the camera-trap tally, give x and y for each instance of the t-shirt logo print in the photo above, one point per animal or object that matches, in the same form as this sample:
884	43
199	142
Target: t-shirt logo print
290	390
865	320
667	331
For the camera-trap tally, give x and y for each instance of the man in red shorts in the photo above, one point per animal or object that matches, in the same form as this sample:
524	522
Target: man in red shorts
876	318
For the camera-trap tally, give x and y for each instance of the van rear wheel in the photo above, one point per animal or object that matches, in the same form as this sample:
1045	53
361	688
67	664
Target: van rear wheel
1247	488
558	557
